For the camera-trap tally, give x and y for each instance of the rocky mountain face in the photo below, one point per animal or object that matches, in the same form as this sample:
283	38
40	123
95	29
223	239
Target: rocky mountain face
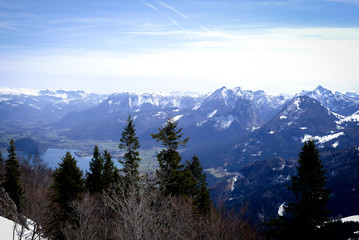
301	119
8	208
344	104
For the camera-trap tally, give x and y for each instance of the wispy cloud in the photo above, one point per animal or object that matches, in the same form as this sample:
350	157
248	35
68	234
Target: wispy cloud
173	9
173	21
150	5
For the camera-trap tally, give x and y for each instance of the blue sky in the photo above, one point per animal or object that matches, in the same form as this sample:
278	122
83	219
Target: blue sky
183	45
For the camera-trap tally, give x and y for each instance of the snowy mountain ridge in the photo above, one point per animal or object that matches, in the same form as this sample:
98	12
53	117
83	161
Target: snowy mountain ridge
225	115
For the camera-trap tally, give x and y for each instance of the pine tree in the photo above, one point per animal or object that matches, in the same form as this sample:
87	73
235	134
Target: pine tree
67	186
110	172
68	183
170	174
199	191
94	178
303	218
12	184
129	143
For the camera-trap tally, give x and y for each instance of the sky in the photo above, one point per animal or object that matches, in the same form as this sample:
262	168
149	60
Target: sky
180	45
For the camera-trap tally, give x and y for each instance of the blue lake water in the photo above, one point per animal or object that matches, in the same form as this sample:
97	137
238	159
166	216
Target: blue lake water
53	157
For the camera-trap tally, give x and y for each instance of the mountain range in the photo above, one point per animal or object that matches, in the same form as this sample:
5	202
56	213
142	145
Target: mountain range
234	126
247	141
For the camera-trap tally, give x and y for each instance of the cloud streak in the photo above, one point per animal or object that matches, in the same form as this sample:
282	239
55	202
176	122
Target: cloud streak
150	5
173	21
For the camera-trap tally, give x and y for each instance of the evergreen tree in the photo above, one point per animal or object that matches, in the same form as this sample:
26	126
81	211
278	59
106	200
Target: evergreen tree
170	174
110	172
304	218
67	186
67	182
12	184
129	143
94	178
199	191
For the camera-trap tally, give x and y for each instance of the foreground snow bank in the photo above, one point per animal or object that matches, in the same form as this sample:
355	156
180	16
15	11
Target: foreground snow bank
354	218
9	232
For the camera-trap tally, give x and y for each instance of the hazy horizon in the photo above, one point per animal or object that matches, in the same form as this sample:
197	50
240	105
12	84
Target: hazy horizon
33	91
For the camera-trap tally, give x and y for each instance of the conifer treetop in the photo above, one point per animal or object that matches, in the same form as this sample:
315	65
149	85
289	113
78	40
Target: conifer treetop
169	136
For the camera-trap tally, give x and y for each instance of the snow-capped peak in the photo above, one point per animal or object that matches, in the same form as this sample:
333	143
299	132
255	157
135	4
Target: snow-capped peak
19	91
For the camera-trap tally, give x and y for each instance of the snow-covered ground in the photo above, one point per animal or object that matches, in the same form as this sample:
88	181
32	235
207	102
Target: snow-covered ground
9	232
354	218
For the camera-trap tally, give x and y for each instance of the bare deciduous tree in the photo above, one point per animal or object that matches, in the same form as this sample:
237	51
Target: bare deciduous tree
149	214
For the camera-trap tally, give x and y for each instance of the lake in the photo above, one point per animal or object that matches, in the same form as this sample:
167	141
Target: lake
53	157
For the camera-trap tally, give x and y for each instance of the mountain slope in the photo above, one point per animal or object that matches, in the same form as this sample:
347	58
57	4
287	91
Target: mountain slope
261	186
344	104
303	118
43	105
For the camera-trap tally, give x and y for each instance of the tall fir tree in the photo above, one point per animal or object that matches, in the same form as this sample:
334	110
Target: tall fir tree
110	172
94	178
12	184
304	218
199	191
68	183
170	174
129	143
66	187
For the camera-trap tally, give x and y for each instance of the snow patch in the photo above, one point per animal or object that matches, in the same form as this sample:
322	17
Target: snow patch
279	168
196	107
7	228
34	106
323	139
199	124
254	128
297	103
232	181
19	91
354	218
176	118
225	123
281	209
158	114
257	154
210	115
352	118
335	144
